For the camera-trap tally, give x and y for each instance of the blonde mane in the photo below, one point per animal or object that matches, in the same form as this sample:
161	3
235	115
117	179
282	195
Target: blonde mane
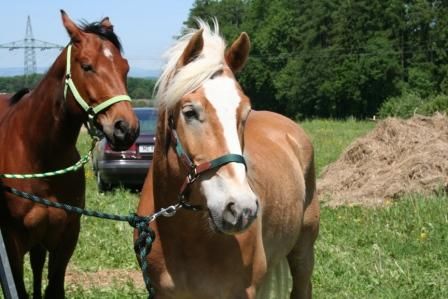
176	82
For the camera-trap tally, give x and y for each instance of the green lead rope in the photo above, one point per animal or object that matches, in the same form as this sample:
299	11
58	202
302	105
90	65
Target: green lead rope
146	236
84	159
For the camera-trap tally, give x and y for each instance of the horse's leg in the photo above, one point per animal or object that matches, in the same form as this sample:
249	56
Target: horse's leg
58	261
301	258
37	258
16	255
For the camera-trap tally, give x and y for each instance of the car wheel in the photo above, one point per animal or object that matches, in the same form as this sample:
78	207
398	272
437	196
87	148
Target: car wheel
102	186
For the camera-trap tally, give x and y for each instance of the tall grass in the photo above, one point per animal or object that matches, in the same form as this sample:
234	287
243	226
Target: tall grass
399	251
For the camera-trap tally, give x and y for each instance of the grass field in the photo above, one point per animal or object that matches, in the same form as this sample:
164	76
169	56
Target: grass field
399	251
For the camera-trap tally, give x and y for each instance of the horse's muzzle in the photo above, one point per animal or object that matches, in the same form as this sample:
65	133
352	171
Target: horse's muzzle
121	136
237	217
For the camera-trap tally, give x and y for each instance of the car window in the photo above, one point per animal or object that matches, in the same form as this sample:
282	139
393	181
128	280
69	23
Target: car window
148	120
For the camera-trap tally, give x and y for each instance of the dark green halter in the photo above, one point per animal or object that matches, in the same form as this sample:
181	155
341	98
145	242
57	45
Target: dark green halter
195	171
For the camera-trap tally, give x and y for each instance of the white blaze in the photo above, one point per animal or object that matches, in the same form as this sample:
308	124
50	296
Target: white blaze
223	95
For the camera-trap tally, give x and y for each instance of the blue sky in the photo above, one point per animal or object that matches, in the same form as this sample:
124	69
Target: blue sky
146	28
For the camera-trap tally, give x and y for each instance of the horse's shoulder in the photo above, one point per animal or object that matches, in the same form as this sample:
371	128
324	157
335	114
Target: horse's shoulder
272	130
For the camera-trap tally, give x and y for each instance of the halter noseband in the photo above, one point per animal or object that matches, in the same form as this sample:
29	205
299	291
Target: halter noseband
90	110
195	171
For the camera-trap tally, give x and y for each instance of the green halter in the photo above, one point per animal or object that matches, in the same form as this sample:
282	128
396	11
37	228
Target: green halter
91	111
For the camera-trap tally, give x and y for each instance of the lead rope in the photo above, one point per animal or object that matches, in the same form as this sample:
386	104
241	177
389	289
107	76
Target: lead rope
142	247
144	241
146	236
83	160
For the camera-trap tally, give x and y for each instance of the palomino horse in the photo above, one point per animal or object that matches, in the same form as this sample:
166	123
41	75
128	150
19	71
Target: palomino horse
255	215
39	130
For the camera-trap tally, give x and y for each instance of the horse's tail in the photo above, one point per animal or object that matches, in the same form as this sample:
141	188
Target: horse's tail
277	283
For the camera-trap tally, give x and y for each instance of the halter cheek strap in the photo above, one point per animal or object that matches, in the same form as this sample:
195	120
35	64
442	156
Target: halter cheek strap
91	111
195	171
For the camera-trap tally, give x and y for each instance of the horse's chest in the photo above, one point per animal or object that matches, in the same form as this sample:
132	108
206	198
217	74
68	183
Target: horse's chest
202	271
38	215
39	223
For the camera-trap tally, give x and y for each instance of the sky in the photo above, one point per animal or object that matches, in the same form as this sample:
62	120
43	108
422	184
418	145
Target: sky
145	27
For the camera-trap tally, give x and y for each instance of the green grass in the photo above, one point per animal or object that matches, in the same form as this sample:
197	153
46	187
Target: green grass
105	244
399	251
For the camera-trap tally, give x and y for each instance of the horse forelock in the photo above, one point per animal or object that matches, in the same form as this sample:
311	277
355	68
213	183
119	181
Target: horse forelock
102	32
176	82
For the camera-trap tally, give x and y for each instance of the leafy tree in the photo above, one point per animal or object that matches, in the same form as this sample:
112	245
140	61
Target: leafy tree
138	88
336	59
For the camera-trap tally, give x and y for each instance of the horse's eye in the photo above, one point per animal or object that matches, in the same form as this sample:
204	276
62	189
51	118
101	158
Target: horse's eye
189	113
87	67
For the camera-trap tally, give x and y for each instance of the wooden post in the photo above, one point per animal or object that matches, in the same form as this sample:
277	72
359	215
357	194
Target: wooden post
6	278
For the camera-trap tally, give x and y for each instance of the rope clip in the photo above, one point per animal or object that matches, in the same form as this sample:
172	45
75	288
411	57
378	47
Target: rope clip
169	211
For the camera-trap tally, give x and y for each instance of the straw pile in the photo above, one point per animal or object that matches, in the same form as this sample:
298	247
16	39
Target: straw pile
398	157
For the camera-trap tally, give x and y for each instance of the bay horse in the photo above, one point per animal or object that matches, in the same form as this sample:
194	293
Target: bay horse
251	173
39	129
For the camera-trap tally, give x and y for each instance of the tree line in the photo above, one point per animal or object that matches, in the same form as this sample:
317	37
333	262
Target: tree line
138	88
334	58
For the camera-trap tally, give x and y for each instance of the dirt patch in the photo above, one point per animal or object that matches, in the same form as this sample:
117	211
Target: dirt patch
104	278
396	158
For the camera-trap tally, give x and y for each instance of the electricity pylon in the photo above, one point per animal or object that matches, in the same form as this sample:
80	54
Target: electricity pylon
30	44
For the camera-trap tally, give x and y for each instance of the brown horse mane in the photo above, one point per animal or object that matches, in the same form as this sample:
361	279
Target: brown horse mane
102	32
18	95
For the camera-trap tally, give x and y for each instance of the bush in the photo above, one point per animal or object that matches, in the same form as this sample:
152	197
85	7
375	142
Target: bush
143	103
409	103
437	104
402	106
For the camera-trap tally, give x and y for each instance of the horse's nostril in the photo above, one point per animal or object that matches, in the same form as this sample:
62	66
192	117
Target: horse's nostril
232	209
121	128
230	215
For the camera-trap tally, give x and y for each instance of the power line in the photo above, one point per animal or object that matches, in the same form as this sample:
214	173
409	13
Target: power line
30	44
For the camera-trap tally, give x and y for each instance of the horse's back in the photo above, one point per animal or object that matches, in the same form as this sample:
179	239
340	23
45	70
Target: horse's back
270	127
4	102
7	101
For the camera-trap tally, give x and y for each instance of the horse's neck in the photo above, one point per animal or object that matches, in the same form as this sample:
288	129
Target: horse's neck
59	122
49	126
166	174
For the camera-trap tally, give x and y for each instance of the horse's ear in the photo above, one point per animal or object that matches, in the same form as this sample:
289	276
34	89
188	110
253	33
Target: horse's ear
236	56
192	50
73	31
106	24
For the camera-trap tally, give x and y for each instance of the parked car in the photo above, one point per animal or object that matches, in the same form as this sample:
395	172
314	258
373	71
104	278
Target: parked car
127	168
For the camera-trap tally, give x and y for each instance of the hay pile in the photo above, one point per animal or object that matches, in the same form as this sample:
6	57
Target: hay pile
397	157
